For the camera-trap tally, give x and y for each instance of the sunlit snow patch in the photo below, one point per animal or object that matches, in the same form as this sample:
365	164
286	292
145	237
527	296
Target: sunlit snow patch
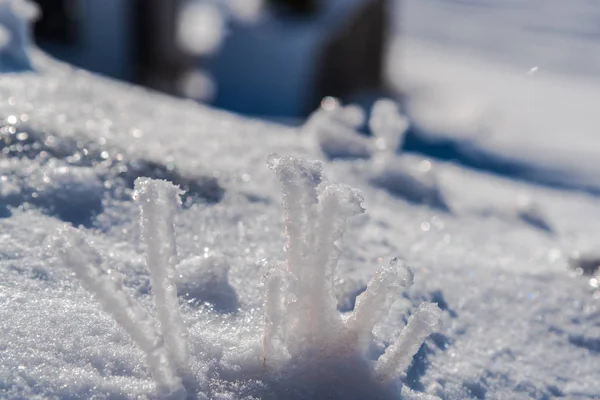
307	349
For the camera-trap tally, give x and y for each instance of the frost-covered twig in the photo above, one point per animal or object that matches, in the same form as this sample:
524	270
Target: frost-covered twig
158	202
107	287
166	346
375	302
396	358
332	128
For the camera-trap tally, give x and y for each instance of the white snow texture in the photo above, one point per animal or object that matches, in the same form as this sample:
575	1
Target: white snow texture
191	290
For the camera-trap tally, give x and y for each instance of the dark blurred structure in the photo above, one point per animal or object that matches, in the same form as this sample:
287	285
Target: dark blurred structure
95	35
158	61
281	66
131	40
298	7
351	60
285	66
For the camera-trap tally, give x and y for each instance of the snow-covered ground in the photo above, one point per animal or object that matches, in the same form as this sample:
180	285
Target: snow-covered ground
510	86
493	252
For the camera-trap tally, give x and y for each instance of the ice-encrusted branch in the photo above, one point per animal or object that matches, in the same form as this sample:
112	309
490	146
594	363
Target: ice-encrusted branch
314	220
397	358
159	201
165	343
375	302
107	287
332	128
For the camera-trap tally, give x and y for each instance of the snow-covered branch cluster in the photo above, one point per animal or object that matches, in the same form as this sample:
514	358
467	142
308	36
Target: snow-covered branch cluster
334	129
303	326
306	342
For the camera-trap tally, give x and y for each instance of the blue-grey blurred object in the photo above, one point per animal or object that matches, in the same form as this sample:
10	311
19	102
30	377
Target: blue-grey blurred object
95	35
280	65
284	66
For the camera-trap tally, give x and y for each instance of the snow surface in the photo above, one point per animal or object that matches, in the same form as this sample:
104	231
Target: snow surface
517	322
509	86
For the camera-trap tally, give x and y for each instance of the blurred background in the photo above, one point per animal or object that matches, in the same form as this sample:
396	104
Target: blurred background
279	58
274	58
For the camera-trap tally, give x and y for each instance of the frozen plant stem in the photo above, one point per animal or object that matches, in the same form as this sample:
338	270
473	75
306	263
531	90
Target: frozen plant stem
375	302
315	220
159	201
107	288
166	346
396	358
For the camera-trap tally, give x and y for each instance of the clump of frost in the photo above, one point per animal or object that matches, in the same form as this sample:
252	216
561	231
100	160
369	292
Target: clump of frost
304	333
16	17
411	177
332	127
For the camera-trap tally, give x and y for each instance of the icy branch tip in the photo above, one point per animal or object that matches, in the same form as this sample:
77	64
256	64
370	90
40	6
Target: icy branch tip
401	271
71	246
346	197
149	190
291	169
397	358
